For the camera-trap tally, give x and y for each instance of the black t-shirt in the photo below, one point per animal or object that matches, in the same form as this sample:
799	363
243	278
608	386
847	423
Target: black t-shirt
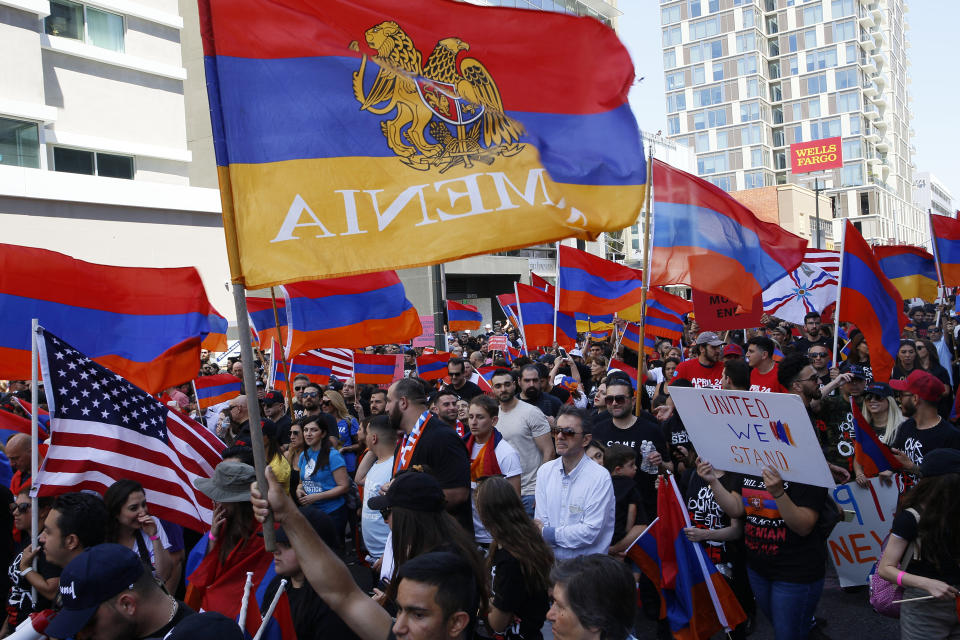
312	617
444	456
547	403
625	493
20	602
643	429
705	513
803	343
467	392
917	443
283	428
511	593
774	550
906	527
183	611
675	435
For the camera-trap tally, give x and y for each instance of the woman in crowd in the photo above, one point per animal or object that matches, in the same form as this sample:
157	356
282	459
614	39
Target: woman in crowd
519	562
275	458
929	360
928	531
46	578
663	376
881	410
906	360
323	474
598	371
859	352
347	427
131	525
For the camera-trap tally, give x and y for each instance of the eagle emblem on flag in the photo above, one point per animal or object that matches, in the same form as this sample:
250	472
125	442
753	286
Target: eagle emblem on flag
445	113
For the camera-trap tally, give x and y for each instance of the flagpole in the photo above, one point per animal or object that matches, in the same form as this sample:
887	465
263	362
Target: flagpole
523	333
34	440
936	254
556	296
283	353
253	406
836	310
644	279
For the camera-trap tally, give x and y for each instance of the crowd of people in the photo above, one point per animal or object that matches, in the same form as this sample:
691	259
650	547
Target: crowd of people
506	496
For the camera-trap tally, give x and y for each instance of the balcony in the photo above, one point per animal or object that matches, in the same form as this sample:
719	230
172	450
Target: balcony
880	36
873	114
877	13
868	65
881	59
879	80
872	137
883	145
869	89
879	100
866	20
867	44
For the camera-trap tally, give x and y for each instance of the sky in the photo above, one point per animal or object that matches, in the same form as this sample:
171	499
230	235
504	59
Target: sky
935	90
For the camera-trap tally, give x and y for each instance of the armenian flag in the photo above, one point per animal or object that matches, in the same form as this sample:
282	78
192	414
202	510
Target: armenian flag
869	300
313	365
433	367
12	424
695	599
354	311
463	317
540	283
376	369
212	390
946	248
594	285
631	336
508	304
537	315
263	321
144	324
627	369
868	450
912	270
702	235
361	135
216	339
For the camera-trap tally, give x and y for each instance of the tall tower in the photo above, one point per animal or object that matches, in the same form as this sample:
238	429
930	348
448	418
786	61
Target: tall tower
745	79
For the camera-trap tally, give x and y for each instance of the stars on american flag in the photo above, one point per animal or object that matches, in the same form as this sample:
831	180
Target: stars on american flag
90	392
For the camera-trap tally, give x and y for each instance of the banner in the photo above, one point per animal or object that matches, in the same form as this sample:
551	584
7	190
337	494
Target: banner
745	431
426	338
854	545
497	343
717	313
816	155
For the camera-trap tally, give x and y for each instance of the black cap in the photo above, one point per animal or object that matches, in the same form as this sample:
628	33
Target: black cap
940	462
272	397
208	624
856	370
411	490
879	389
92	578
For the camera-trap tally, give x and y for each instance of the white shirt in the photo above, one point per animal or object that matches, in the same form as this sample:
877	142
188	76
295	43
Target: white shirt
509	461
576	509
520	427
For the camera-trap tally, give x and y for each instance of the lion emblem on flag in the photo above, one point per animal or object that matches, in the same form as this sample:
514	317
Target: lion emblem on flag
445	113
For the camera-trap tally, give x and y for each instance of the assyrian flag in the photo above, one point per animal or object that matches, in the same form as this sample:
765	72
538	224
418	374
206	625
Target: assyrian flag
804	290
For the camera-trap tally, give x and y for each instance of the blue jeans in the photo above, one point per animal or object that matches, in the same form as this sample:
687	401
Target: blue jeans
788	605
528	504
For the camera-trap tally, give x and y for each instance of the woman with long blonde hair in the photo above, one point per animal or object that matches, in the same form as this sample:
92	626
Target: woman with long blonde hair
347	427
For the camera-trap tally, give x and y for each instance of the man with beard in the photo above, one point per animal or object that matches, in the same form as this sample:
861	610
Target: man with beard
924	430
429	443
445	406
378	402
705	371
812	334
527	430
829	414
310	397
460	381
531	391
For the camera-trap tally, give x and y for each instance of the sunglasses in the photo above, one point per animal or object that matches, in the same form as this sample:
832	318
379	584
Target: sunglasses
310	394
299	388
324	401
818	355
21	507
621	399
565	431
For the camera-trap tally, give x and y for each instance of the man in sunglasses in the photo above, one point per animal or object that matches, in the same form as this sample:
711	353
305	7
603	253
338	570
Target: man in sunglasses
300	383
575	502
311	397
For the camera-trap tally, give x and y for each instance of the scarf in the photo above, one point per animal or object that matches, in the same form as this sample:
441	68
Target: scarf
485	464
409	442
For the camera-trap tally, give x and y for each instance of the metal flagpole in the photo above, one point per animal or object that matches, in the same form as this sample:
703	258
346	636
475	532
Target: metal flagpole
836	310
34	440
283	352
253	406
645	279
556	294
523	333
439	334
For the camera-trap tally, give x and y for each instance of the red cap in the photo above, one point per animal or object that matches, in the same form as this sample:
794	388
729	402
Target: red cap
732	350
921	384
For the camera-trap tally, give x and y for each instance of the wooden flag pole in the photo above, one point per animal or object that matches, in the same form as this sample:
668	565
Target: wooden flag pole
253	407
283	352
645	279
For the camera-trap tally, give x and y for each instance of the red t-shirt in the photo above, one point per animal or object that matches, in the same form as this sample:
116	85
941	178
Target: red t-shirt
766	381
702	377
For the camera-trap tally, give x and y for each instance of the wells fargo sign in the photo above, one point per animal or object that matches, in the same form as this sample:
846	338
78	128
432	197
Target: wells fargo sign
816	155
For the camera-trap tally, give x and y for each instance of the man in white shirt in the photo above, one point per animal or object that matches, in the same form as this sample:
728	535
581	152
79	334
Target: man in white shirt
526	429
575	503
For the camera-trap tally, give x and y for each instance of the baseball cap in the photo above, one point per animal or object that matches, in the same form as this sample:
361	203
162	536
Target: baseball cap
921	384
939	462
856	370
208	624
879	389
411	490
92	578
733	350
709	337
575	353
272	397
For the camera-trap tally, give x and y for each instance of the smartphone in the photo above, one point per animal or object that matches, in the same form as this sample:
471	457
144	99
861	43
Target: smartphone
562	352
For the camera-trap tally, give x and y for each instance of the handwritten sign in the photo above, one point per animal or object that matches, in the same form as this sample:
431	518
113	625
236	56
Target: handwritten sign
716	313
497	343
745	431
426	338
854	546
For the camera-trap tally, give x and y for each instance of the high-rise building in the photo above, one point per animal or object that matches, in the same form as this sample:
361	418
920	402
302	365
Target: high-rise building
932	196
745	79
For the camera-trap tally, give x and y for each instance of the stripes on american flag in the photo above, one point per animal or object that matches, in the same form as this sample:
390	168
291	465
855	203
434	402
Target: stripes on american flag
103	428
341	361
825	259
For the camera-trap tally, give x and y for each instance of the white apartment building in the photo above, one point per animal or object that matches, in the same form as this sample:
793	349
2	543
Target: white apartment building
745	79
94	160
930	195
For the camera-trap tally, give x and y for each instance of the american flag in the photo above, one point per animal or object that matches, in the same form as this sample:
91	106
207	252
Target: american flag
341	361
103	428
824	259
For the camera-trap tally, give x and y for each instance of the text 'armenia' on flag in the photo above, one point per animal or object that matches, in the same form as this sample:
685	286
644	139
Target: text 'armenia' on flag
362	135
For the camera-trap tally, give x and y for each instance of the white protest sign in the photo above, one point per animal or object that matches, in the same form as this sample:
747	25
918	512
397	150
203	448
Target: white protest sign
497	343
745	431
854	546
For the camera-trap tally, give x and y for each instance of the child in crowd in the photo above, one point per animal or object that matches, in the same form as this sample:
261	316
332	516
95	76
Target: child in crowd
595	451
630	518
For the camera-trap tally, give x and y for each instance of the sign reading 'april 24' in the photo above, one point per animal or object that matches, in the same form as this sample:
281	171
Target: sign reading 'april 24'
816	155
744	431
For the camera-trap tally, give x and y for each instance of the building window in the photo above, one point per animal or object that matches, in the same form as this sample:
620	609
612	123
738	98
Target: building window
80	22
752	134
749	111
792	42
778	140
816	84
671	36
813	108
846	78
841	8
705	28
797	134
674	80
722	140
753	87
749	17
746	42
694	9
822	59
676	102
825	129
699	77
717	71
780	159
776	93
673	125
713	6
19	143
852	149
855	125
746	64
708	96
712	163
844	31
864	203
753	179
724	182
812	14
810	38
852	175
849	101
702	142
756	158
92	163
669	59
670	14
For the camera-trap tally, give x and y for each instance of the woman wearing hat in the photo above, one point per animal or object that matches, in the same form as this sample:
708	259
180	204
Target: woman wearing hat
930	524
883	414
